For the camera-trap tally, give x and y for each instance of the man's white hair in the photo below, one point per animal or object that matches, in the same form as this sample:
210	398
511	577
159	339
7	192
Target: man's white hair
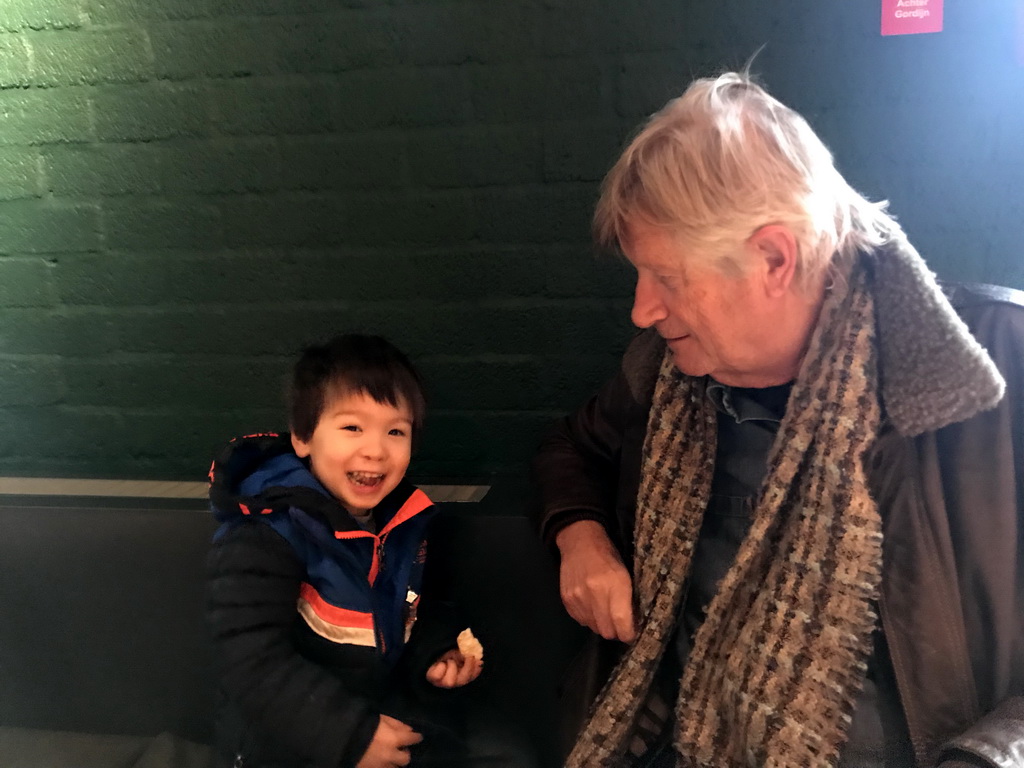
726	158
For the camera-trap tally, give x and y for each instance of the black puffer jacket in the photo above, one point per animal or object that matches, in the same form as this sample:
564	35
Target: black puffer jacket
289	696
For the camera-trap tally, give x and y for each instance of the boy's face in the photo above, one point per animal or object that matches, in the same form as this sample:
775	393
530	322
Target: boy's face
360	449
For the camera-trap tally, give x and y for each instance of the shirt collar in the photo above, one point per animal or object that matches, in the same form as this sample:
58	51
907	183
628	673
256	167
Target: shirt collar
745	404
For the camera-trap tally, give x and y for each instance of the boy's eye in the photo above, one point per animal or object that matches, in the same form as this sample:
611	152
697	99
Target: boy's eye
351	427
397	432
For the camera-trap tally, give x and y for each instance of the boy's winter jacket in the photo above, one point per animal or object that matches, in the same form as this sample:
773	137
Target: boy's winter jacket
309	612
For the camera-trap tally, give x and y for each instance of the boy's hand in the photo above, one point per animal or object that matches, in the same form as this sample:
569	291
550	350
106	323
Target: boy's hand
390	745
453	670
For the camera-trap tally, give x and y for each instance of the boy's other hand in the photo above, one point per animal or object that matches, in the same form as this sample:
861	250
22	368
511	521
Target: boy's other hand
453	670
390	745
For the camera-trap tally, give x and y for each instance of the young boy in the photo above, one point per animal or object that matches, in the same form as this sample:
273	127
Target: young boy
315	572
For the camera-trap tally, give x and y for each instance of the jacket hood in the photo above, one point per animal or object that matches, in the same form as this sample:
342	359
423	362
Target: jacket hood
260	474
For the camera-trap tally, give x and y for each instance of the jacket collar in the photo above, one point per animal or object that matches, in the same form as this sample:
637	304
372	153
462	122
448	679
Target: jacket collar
932	371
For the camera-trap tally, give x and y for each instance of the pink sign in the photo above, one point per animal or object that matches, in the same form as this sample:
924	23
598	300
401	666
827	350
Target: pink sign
909	17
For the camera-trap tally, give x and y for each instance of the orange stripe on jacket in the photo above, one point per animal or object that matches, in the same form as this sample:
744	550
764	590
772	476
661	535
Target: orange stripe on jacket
332	614
416	503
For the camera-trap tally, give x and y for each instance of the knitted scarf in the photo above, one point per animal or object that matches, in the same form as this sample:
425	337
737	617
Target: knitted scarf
778	662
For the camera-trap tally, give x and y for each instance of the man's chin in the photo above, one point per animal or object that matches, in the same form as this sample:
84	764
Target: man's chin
689	367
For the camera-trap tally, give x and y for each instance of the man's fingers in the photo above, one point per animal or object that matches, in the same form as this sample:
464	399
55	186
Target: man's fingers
594	616
603	624
616	626
583	599
602	602
575	607
622	621
595	586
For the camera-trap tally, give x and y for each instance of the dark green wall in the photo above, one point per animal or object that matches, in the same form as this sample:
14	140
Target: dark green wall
192	189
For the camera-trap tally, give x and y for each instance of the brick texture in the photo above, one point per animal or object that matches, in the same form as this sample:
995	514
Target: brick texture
87	57
191	190
19	173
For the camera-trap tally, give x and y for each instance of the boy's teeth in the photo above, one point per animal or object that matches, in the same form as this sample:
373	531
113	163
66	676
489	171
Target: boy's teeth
366	478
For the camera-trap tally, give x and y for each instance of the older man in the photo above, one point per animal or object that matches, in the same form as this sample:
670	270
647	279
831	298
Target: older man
798	503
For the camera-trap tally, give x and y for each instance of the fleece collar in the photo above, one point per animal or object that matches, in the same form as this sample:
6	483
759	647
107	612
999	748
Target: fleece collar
933	371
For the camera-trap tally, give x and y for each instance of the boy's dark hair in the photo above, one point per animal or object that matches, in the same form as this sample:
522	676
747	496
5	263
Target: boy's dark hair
352	363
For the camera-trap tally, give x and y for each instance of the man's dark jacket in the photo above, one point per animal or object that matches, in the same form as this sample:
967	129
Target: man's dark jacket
952	505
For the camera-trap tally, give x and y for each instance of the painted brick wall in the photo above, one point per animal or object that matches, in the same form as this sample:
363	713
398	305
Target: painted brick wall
192	189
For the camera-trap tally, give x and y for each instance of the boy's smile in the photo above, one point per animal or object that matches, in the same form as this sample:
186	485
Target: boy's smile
359	450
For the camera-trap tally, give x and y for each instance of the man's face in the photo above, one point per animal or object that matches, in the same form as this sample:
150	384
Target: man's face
360	449
714	324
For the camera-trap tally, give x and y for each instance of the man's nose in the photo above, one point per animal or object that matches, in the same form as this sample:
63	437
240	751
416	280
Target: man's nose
648	308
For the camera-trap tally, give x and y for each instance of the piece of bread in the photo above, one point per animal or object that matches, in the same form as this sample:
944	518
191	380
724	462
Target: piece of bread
469	645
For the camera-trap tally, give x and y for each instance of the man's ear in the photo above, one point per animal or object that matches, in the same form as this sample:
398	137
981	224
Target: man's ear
775	248
300	447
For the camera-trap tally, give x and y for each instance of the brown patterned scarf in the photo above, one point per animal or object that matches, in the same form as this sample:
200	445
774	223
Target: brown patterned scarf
779	660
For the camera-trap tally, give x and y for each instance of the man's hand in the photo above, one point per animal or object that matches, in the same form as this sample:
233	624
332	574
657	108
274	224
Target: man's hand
453	670
595	586
390	745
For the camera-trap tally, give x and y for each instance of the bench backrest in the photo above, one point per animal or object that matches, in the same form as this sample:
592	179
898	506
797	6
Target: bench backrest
101	626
